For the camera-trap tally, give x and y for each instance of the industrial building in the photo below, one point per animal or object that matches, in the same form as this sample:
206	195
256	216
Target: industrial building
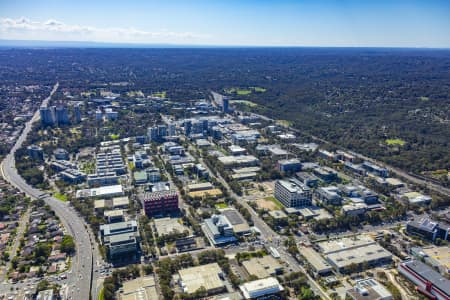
208	276
262	287
101	192
263	267
238	161
292	193
428	281
142	288
344	253
319	265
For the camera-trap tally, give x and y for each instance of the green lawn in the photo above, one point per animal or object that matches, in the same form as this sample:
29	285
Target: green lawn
244	102
160	94
274	200
395	142
221	205
259	89
61	197
114	136
101	295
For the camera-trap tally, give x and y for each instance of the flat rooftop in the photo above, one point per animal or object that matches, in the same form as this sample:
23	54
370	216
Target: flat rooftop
142	288
206	275
236	219
262	267
314	258
346	243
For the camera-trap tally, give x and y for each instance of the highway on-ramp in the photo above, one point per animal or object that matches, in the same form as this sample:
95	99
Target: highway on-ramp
82	267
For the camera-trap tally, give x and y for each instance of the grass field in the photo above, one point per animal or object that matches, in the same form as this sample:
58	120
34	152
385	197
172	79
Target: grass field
221	205
285	123
244	102
395	142
259	89
61	197
114	136
274	200
160	94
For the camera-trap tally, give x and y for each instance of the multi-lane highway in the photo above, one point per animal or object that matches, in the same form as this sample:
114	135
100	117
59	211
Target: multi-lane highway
82	273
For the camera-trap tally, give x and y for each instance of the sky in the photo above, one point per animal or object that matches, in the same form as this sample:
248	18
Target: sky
323	23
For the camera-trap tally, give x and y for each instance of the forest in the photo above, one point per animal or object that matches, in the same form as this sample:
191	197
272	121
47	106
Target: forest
390	104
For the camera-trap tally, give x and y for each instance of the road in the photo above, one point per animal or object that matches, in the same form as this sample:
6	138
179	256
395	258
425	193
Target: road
270	237
81	275
398	172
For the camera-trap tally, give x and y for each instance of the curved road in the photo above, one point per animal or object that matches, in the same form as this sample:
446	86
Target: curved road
81	275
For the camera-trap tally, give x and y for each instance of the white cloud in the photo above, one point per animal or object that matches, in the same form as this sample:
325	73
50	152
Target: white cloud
24	28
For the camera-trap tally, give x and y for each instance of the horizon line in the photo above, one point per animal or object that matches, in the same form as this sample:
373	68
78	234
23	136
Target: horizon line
7	43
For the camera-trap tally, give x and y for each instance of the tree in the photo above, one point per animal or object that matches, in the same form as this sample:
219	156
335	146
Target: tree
67	244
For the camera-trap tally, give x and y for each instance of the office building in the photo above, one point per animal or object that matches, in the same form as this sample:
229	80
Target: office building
329	195
318	264
161	200
429	230
225	104
61	154
326	174
120	238
289	165
261	288
292	193
374	169
35	152
219	230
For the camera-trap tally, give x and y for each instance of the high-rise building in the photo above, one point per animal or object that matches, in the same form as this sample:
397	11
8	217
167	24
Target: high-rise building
172	129
225	104
187	127
62	115
162	131
47	115
77	113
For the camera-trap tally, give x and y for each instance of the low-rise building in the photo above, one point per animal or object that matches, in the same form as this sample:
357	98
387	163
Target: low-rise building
354	209
329	195
289	165
428	281
142	288
261	288
307	179
263	267
210	277
326	174
348	255
101	192
319	265
238	161
61	154
428	229
369	289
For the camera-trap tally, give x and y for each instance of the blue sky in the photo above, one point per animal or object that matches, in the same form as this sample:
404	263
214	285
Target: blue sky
384	23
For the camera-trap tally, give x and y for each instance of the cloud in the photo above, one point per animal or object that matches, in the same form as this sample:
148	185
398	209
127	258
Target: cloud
24	28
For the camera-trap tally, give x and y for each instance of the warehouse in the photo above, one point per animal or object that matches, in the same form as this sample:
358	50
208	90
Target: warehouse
208	276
